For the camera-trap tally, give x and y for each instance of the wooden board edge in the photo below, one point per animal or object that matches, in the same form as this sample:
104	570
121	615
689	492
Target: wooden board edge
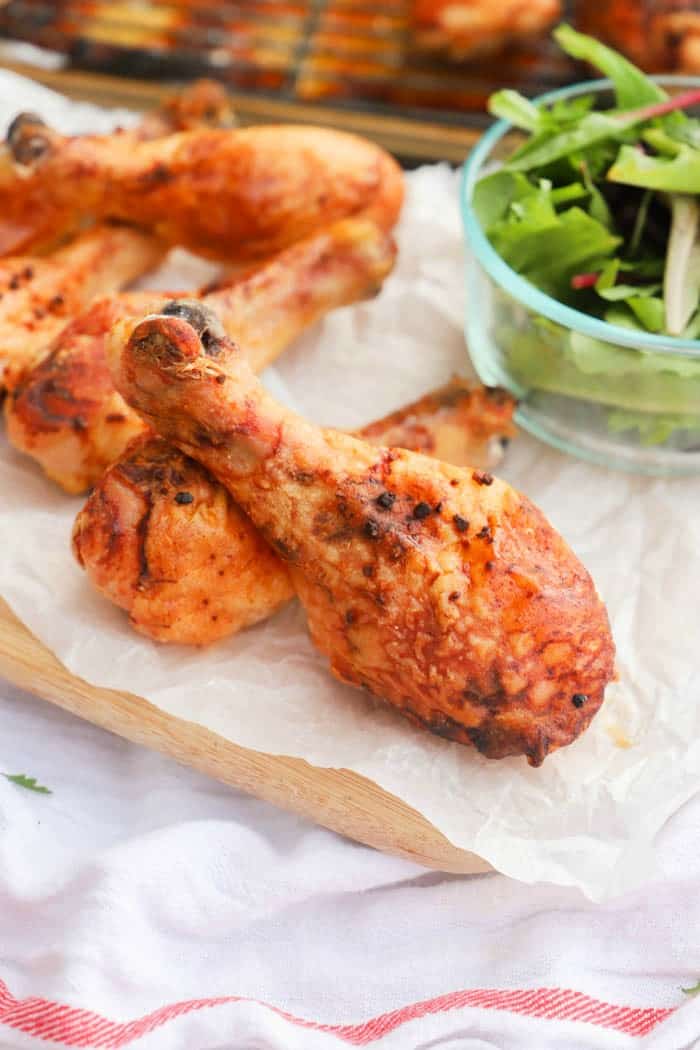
421	140
338	799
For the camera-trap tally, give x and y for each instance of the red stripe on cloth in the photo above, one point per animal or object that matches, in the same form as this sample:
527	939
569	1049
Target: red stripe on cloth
73	1026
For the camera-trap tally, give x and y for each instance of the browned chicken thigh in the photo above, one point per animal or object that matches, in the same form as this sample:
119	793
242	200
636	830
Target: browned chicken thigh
440	589
228	194
162	539
66	413
39	295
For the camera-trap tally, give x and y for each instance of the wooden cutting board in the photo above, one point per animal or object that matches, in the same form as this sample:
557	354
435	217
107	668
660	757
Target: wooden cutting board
336	798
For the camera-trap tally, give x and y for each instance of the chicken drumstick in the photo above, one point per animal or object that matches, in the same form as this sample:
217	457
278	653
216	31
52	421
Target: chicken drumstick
160	538
228	194
39	295
441	589
66	413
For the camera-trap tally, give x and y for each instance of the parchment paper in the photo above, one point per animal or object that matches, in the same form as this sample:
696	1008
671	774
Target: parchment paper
589	815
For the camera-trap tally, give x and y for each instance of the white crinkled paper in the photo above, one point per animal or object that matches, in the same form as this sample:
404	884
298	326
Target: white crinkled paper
589	815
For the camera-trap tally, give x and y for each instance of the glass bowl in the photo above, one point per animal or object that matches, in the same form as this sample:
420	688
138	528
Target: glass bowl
613	395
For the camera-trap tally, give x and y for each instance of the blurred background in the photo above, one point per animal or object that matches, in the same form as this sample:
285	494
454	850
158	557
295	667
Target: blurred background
412	74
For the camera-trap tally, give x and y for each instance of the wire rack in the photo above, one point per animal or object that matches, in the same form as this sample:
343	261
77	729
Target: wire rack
348	55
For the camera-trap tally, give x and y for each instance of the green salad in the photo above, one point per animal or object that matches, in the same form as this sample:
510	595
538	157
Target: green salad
600	209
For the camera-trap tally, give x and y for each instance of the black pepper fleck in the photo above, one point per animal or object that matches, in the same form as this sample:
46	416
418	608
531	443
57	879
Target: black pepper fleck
488	566
371	529
350	616
421	510
368	570
579	699
184	497
438	507
454	596
221	379
481	477
461	524
485	534
386	500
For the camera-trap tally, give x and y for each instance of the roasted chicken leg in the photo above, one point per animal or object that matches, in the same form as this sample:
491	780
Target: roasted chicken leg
39	295
440	589
66	413
231	195
160	538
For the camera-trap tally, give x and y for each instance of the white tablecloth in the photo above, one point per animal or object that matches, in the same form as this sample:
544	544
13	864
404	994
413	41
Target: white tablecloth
143	904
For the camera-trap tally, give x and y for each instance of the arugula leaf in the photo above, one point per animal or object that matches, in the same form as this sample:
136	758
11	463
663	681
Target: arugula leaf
591	130
649	310
682	276
494	194
549	248
632	87
598	207
515	108
679	174
27	782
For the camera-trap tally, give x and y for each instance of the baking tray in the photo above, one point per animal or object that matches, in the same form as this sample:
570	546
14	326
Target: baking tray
347	62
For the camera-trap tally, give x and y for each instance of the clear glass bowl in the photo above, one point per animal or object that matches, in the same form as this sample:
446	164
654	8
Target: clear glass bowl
629	400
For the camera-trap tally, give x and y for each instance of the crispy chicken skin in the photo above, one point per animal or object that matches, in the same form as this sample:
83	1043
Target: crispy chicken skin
440	589
461	424
193	570
163	540
229	194
66	413
39	295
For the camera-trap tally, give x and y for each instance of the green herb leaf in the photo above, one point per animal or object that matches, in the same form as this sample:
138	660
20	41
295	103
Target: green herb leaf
632	87
27	782
494	194
593	129
693	990
648	310
515	108
548	247
679	174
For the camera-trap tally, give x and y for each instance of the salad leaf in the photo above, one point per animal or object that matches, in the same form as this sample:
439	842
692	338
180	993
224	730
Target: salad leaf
592	129
598	207
516	109
679	174
639	223
682	276
494	194
662	142
632	87
548	247
693	990
648	310
653	428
